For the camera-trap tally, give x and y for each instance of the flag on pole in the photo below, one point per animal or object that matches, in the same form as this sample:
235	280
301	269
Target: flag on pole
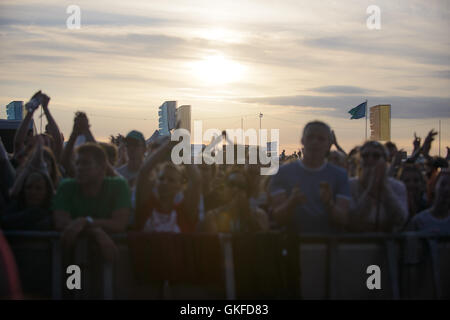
359	111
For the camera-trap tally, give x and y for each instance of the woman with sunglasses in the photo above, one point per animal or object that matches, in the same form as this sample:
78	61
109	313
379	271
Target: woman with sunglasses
379	201
238	214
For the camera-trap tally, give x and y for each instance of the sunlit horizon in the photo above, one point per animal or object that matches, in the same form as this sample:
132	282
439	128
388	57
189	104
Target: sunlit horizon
293	61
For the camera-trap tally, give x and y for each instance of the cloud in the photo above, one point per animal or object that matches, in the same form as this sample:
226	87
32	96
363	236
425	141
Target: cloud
342	89
445	74
41	58
380	46
55	15
408	88
402	107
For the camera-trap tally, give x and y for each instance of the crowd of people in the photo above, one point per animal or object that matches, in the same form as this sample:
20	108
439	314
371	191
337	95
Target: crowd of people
85	187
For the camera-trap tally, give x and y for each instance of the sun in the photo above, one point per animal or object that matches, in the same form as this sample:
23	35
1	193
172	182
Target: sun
217	69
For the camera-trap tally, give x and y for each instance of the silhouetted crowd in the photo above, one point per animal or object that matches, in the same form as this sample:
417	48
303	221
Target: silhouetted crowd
81	186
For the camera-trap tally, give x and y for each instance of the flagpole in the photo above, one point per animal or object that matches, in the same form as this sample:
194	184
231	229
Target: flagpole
366	119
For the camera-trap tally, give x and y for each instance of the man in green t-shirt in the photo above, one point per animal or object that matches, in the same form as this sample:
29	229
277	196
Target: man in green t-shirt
92	202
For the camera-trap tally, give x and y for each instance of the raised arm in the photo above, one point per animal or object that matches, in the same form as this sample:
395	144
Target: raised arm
35	163
284	210
334	141
7	172
417	149
21	133
66	157
143	184
427	144
86	128
80	127
52	127
337	208
396	162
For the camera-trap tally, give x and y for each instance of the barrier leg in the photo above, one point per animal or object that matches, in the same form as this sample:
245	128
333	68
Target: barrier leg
432	245
227	249
56	270
332	268
393	270
108	281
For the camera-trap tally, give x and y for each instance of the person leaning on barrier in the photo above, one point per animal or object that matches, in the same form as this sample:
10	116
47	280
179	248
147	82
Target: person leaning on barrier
436	218
238	214
312	194
411	175
92	202
380	201
31	195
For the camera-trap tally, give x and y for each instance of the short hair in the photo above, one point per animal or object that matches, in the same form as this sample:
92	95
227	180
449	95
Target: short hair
317	123
94	150
354	151
111	152
410	167
390	144
377	145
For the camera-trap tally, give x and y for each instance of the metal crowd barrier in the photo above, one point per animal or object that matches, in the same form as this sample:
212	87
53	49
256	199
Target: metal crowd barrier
321	266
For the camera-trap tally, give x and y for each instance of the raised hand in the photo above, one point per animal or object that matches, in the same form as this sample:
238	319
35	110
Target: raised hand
416	142
326	195
333	138
296	197
45	99
428	140
80	124
83	122
396	161
34	102
71	233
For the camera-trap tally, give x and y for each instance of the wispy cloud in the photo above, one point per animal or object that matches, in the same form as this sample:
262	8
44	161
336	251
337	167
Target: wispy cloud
315	57
383	46
342	89
402	107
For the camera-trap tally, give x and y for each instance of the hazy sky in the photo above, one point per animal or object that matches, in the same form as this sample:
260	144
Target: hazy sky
292	60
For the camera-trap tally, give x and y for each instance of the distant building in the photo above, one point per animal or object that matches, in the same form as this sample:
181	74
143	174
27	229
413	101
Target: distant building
167	117
380	122
184	116
15	110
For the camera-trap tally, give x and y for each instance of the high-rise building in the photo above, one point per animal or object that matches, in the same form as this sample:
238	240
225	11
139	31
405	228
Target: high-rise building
184	116
15	110
167	117
380	122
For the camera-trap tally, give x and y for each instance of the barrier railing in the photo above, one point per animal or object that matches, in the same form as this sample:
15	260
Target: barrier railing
260	266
